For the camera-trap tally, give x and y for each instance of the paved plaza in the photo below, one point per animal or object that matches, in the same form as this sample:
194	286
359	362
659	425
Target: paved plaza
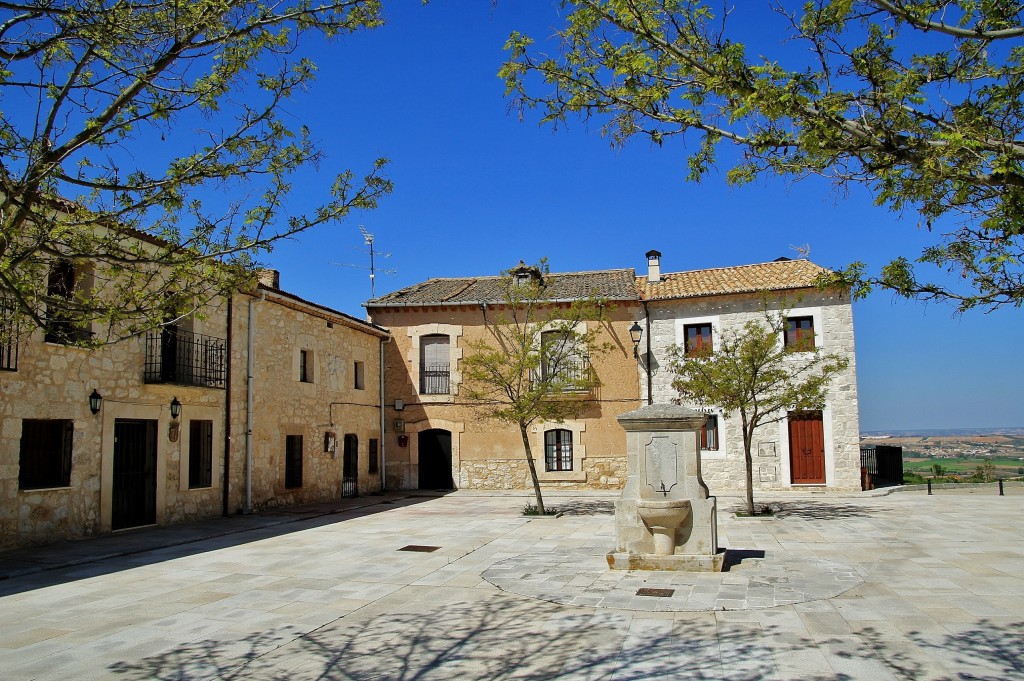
904	586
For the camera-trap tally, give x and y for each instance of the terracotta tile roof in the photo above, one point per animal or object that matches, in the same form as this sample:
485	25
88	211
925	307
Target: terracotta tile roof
608	284
769	276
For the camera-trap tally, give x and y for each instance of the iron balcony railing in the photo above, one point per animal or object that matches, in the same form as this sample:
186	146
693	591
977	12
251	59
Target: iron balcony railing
181	357
571	375
435	379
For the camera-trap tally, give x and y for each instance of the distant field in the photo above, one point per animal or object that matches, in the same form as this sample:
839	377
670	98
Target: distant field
1005	467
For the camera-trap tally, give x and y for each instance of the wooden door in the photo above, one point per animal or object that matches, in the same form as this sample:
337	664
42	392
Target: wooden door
806	448
134	490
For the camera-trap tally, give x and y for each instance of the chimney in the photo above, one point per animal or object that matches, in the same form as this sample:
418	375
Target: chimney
653	267
269	278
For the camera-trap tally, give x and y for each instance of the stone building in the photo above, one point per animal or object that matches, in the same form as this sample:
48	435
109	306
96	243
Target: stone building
133	434
315	409
695	307
436	438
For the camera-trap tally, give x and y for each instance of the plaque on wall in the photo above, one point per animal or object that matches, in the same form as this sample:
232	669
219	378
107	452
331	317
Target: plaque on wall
767	473
766	449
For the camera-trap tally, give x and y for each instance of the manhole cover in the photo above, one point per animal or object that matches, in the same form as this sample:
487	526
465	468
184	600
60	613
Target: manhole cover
419	549
658	593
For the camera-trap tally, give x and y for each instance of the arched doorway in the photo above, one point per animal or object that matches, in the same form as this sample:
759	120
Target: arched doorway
435	459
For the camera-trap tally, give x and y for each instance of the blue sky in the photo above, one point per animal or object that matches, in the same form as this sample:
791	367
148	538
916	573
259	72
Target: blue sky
476	190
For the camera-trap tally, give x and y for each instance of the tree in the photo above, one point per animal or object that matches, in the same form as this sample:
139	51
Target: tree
145	148
753	373
534	358
921	101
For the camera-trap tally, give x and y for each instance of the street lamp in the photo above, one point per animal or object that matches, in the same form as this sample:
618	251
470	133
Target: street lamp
636	332
175	408
95	401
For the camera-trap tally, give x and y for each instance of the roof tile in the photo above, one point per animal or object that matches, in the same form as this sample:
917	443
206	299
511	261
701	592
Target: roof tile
769	276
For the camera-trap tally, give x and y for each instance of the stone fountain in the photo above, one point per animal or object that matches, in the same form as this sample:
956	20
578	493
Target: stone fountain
665	519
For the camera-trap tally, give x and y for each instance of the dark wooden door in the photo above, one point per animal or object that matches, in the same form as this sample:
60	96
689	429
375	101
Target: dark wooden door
350	466
435	449
806	448
134	488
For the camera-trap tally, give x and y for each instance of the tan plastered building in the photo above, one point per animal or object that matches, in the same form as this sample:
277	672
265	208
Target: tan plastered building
133	434
437	438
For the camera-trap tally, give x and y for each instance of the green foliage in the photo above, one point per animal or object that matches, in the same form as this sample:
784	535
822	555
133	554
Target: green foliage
145	143
986	472
911	478
921	101
535	359
530	509
752	375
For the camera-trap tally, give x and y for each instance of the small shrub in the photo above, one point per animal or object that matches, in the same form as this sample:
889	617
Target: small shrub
531	509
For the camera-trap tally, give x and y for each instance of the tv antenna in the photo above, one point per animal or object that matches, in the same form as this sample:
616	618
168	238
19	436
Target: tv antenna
368	240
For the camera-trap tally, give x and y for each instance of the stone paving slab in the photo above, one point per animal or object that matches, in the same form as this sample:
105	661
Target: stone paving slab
939	595
581	577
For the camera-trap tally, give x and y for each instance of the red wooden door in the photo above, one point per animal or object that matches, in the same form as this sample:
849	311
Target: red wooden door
806	448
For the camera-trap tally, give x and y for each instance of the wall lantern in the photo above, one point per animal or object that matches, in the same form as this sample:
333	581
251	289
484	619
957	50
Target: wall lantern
636	332
95	401
175	408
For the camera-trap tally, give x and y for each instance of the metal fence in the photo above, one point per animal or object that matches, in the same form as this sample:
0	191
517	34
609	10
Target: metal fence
569	373
881	466
435	379
181	357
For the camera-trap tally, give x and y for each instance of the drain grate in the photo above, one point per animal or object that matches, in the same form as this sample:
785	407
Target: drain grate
419	549
657	593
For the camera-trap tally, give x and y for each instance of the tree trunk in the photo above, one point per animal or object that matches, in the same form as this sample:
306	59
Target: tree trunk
749	464
533	468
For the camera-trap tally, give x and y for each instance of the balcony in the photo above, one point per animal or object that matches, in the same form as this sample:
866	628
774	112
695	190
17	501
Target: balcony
181	357
435	379
573	375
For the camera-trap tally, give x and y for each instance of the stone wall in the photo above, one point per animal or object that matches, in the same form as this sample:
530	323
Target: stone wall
327	402
53	381
514	474
724	470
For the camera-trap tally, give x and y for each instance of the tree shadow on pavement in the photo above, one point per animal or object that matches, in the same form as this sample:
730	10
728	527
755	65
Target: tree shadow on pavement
504	637
501	638
587	507
983	651
820	510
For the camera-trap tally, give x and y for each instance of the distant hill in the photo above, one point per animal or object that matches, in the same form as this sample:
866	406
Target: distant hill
1017	431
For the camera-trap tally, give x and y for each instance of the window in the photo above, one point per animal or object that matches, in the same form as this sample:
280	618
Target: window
435	367
8	337
709	434
558	450
697	339
292	461
60	286
306	366
799	333
561	361
45	458
359	373
200	454
374	465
